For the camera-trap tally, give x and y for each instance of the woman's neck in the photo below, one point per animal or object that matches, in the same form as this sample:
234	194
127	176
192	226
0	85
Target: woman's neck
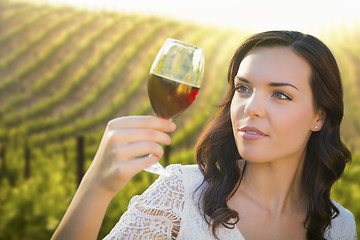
274	186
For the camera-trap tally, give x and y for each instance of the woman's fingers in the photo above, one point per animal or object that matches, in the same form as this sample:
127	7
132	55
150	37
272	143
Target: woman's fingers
123	136
130	159
133	150
136	122
125	147
140	163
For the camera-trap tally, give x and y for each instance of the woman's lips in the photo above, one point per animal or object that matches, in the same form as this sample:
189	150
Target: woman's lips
252	133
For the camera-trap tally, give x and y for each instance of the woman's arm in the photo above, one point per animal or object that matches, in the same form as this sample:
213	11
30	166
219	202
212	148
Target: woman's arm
115	163
84	216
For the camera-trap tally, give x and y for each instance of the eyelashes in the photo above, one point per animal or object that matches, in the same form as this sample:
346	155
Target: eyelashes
241	89
246	92
282	96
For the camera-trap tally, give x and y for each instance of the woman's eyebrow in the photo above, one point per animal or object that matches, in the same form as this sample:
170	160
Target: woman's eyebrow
272	84
280	84
237	78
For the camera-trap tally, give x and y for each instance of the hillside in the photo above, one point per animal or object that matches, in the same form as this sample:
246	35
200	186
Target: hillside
66	72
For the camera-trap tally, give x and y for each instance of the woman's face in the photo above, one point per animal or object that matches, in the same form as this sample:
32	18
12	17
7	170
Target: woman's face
272	110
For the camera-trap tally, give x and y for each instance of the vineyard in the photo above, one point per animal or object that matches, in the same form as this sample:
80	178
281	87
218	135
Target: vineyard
65	72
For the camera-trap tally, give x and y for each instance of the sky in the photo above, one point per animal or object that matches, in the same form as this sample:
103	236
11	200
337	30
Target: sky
255	15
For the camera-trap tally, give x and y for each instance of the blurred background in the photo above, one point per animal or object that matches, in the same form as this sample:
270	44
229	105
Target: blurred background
68	67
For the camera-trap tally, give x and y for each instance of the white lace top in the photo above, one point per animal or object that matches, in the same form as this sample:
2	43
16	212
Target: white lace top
168	210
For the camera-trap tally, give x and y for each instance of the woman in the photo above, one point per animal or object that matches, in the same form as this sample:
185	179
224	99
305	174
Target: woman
266	163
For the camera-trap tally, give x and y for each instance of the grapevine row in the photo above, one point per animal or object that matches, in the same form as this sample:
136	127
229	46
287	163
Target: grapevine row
86	72
31	20
46	52
18	117
118	101
41	84
15	12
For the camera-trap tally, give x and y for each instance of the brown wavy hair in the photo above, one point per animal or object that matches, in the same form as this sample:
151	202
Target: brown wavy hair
326	155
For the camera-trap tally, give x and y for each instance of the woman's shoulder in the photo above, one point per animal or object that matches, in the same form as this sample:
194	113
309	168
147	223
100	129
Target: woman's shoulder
345	216
175	178
189	177
170	187
180	167
343	225
182	171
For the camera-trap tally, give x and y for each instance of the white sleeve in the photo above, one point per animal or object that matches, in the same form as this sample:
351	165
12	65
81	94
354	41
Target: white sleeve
156	214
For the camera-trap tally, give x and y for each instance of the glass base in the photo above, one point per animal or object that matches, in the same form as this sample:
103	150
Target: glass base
156	168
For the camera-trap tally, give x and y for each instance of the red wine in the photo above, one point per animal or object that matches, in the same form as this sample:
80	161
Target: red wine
169	97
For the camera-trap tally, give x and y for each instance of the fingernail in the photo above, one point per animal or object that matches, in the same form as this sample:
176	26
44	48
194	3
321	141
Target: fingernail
172	125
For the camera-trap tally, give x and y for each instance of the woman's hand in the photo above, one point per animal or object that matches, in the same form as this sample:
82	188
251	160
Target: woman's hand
116	162
124	141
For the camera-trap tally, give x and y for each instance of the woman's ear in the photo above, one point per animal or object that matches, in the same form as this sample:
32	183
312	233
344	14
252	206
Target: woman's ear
319	120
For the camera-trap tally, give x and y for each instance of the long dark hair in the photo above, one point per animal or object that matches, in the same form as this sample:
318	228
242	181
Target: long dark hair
326	155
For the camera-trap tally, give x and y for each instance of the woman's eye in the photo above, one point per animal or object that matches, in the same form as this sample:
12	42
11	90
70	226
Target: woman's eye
242	89
282	96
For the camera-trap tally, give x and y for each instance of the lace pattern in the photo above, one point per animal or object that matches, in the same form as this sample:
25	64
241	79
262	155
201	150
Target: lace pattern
156	214
168	209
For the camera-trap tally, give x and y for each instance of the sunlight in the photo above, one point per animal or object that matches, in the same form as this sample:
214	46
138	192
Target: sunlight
304	15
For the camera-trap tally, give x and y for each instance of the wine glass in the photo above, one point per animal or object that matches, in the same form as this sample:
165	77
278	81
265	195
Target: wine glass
174	81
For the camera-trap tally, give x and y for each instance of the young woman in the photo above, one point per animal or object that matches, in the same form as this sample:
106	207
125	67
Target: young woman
266	162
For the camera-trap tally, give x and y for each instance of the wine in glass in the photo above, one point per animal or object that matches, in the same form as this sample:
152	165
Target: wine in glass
174	81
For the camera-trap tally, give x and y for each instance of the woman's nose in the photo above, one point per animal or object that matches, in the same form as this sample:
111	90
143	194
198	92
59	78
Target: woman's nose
254	107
